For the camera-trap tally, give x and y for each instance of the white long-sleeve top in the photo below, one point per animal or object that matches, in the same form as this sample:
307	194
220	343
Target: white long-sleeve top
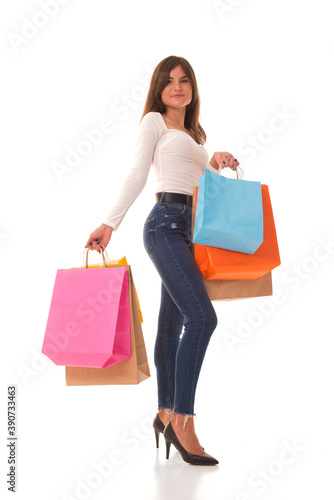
176	158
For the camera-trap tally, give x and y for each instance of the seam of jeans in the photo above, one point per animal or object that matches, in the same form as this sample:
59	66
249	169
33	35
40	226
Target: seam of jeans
192	393
166	352
151	234
164	222
191	396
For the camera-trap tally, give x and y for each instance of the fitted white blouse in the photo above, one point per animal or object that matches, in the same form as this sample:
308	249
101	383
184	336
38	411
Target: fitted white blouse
176	158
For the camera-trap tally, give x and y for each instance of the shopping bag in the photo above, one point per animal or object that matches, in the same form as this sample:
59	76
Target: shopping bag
89	318
220	264
118	262
229	213
239	289
131	371
235	289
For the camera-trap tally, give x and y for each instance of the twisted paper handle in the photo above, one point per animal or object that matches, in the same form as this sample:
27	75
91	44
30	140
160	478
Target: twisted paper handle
238	171
104	252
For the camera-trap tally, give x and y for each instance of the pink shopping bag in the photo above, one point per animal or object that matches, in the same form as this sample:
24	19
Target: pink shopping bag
89	318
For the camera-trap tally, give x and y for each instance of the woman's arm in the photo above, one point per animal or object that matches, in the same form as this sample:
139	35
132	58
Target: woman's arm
149	133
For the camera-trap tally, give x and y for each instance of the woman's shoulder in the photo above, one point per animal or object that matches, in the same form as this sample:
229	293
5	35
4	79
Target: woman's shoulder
153	113
152	117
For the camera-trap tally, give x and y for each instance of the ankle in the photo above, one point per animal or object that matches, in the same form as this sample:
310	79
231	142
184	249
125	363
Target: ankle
165	414
183	422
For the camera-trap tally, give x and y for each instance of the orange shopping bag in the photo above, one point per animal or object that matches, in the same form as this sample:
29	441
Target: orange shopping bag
220	264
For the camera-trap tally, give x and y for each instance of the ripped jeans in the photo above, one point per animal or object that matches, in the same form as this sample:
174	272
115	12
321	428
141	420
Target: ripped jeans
185	305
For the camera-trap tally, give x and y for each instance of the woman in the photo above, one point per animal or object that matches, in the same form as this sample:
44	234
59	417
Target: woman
171	140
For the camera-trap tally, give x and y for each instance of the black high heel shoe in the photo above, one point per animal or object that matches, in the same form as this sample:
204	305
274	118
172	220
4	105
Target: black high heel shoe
158	428
171	437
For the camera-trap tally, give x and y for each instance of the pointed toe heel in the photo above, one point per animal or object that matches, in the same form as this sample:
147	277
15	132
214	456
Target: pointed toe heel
190	458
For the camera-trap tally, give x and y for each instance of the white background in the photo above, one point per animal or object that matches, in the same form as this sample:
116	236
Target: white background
273	386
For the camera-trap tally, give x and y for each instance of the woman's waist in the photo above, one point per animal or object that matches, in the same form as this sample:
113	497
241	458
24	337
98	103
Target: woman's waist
166	196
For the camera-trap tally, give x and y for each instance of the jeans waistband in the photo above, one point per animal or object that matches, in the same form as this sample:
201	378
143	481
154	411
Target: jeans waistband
178	197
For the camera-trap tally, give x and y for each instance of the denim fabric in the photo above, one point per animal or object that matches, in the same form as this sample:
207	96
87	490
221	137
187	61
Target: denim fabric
185	305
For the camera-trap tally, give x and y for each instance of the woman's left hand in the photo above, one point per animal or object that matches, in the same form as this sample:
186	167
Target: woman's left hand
224	159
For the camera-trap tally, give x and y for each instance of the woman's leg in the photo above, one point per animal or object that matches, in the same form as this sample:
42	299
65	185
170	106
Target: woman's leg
170	325
167	242
185	285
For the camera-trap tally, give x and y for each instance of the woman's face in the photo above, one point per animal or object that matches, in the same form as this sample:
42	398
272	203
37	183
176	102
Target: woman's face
178	91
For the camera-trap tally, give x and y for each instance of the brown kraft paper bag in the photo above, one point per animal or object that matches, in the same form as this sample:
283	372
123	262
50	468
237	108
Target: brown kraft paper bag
130	371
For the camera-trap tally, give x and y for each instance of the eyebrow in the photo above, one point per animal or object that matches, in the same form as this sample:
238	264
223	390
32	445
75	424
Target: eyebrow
184	76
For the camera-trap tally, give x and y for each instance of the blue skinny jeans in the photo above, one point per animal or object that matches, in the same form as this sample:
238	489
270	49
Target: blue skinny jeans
187	317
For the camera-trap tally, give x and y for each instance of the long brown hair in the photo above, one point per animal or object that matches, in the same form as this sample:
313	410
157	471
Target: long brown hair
159	81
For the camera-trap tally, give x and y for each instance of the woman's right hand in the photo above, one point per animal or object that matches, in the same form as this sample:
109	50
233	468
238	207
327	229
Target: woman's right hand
101	236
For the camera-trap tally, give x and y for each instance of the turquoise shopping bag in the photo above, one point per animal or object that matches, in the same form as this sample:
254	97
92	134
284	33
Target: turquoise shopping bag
229	213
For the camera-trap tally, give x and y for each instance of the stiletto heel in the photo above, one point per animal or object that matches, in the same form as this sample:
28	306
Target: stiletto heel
168	443
190	458
158	428
157	435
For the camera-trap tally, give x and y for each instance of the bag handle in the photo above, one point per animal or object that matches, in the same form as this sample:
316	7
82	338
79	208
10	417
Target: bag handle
104	261
238	171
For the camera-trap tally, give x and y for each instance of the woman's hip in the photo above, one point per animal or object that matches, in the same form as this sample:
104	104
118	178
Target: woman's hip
167	240
167	221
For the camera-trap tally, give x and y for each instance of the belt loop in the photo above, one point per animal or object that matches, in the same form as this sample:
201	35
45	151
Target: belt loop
161	196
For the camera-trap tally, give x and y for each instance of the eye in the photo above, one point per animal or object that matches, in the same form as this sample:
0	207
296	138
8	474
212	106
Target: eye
185	80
